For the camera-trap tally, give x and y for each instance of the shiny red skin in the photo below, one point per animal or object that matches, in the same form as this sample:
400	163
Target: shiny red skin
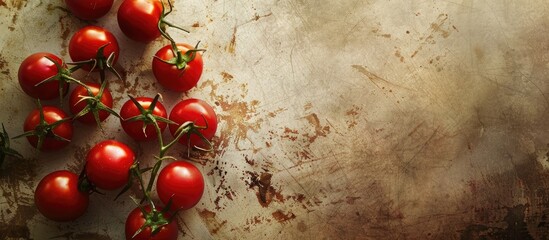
85	43
175	79
193	110
108	164
138	19
89	9
57	197
135	220
51	114
37	68
77	94
135	128
183	181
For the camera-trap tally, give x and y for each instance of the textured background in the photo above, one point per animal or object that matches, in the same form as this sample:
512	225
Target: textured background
372	119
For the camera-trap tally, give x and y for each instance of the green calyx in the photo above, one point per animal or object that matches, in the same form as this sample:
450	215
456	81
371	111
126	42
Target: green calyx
44	129
63	76
5	149
94	104
154	218
181	60
146	115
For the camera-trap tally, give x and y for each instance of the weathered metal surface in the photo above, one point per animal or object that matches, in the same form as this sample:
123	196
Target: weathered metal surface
338	119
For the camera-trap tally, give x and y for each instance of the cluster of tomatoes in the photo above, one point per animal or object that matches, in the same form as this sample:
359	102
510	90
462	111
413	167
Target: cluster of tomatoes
110	165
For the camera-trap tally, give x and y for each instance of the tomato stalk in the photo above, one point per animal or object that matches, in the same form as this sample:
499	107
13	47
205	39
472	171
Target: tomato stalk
94	104
45	130
5	149
162	23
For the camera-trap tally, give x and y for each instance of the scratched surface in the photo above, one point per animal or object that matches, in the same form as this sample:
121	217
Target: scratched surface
338	119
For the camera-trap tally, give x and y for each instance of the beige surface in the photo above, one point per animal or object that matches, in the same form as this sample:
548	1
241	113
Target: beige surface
376	119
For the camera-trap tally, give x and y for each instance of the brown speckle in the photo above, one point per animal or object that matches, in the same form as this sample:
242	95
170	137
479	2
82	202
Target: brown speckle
226	76
206	214
308	106
399	56
232	44
301	226
195	25
279	216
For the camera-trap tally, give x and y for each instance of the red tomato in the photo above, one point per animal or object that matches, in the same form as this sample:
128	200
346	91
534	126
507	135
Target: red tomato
85	43
183	181
138	19
89	9
37	68
135	128
57	197
136	219
170	76
51	115
76	106
193	110
108	164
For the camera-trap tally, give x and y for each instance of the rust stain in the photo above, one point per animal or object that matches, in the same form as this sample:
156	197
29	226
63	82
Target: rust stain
399	55
251	162
196	24
266	193
226	76
276	112
351	200
436	27
290	134
353	115
308	106
320	131
3	3
79	156
301	226
212	85
232	44
211	221
206	214
237	116
17	227
281	217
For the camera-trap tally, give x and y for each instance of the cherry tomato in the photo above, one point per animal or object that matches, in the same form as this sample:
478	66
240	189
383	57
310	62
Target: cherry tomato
76	104
183	181
136	219
108	164
37	68
57	196
194	110
85	43
138	19
135	128
51	115
170	76
89	9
